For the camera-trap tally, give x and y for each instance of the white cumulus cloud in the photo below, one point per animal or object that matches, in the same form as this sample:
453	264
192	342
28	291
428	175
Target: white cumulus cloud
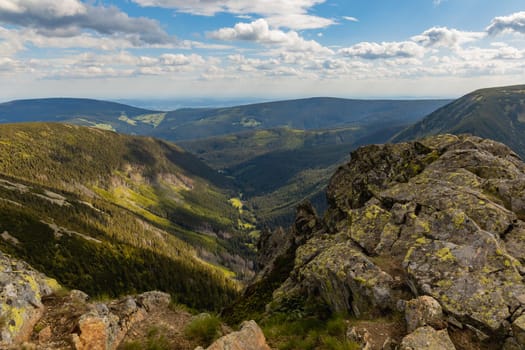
259	31
512	23
291	14
68	18
445	37
384	50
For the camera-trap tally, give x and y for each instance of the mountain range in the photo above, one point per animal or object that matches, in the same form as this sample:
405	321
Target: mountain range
194	123
308	138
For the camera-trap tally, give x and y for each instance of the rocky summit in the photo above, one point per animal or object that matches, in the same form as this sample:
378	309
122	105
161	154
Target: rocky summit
431	230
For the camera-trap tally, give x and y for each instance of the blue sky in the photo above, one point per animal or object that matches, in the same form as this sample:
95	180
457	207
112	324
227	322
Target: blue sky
259	48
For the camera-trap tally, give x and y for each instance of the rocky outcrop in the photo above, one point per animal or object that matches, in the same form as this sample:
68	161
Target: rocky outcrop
440	217
21	290
105	325
250	337
427	338
72	322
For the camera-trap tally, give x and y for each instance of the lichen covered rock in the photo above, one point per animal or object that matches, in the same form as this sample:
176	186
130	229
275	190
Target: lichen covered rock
518	328
440	217
21	290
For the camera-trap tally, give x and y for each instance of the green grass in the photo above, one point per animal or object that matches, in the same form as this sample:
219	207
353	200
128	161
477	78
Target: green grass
204	329
155	340
285	333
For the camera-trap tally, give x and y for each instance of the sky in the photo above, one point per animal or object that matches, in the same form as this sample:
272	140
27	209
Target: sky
271	49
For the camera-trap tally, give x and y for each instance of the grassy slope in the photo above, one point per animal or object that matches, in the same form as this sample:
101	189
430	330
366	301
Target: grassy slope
495	113
131	194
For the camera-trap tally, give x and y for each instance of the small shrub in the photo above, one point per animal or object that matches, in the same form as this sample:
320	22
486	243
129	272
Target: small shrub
132	345
308	333
204	329
333	343
154	341
336	326
178	307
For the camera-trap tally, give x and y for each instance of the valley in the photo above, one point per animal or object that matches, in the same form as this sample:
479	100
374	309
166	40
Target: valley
308	138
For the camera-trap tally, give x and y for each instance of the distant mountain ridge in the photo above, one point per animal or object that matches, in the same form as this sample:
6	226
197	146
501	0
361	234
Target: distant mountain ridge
495	113
59	109
193	123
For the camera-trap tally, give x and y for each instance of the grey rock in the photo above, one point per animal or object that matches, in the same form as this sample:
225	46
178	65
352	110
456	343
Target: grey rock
427	338
154	300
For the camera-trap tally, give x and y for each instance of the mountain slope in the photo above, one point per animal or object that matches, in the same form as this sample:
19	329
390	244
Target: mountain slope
495	113
113	214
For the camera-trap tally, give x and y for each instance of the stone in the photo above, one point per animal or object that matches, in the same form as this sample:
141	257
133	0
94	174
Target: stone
78	296
153	300
427	338
359	336
389	344
93	333
511	344
45	334
343	278
250	337
104	326
423	311
518	329
436	217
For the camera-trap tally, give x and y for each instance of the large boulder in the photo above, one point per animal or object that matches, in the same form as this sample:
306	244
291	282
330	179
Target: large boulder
250	337
21	290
